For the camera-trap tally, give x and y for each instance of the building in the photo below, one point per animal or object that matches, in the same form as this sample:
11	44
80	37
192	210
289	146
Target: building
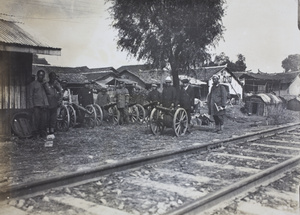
144	75
263	104
17	47
282	84
235	87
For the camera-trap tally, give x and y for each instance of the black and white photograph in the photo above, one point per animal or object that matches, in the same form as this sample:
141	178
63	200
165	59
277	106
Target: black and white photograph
149	107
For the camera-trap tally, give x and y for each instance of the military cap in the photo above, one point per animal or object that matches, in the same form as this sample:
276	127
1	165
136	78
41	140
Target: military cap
185	80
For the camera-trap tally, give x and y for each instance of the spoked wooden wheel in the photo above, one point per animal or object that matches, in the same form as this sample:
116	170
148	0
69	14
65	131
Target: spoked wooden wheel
63	119
90	117
156	122
142	113
73	116
133	113
114	115
147	113
99	113
180	122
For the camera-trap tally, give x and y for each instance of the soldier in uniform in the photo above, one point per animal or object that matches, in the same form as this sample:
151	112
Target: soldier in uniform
186	98
85	95
154	95
169	97
122	99
216	102
54	94
38	102
102	98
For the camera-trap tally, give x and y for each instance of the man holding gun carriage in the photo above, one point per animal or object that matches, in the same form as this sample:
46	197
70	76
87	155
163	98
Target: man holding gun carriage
169	98
186	98
122	99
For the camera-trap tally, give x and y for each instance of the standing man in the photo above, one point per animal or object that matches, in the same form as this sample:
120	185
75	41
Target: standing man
154	95
216	103
169	97
102	98
38	102
122	99
54	93
186	98
85	95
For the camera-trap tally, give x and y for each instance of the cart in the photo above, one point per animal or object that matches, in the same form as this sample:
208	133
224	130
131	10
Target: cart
175	118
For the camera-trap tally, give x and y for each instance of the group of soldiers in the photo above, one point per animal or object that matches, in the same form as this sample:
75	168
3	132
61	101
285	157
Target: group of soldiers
216	100
46	97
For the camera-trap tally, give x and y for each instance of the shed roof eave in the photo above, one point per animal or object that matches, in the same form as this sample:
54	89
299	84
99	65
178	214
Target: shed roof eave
30	49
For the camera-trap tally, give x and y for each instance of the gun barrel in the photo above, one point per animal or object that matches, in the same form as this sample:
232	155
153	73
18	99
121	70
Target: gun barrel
150	104
164	109
107	106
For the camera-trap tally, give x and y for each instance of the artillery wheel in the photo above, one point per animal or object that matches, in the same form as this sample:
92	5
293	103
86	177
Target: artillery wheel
99	113
156	122
180	122
114	114
63	119
89	120
142	113
133	113
73	116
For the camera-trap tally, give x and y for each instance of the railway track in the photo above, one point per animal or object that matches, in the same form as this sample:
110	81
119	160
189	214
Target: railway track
176	182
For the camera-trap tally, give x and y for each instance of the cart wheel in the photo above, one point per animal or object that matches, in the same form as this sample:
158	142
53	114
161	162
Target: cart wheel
99	113
63	119
180	122
89	120
114	115
142	113
73	117
156	122
133	113
21	124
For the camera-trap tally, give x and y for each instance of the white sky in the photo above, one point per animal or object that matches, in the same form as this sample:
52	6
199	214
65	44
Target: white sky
264	31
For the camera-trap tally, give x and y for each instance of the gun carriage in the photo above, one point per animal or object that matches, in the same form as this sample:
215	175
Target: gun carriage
174	117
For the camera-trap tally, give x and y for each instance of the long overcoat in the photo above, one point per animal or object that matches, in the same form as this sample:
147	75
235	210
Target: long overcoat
186	98
154	96
169	96
217	96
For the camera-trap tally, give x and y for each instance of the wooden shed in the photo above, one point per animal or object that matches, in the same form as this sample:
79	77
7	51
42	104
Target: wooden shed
293	104
263	104
17	47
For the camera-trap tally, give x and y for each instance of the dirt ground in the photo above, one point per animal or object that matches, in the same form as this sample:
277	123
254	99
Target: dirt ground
24	160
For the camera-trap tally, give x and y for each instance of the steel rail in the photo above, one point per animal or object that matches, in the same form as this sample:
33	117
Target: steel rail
20	190
214	198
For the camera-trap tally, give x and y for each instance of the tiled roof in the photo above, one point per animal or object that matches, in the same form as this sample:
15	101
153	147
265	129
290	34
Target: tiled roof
286	77
205	73
70	74
94	76
134	68
103	69
12	33
145	72
99	73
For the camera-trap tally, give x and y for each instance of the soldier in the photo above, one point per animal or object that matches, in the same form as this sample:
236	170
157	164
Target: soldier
169	97
122	99
102	98
154	95
38	102
66	95
186	98
85	95
54	94
216	102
